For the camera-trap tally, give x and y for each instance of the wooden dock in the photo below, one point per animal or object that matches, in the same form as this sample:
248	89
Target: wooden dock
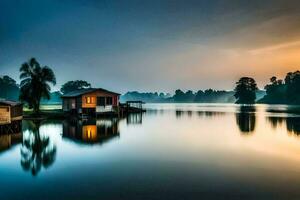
131	107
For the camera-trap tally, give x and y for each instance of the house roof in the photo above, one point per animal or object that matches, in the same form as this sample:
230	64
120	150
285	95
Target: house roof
9	103
77	93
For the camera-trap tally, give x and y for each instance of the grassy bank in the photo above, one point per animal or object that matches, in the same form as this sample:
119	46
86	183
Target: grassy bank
44	114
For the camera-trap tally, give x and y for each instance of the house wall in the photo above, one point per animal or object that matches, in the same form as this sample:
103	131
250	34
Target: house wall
78	104
16	112
69	104
93	97
5	115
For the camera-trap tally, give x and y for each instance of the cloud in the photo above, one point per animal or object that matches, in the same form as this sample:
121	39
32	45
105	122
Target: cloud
276	47
152	45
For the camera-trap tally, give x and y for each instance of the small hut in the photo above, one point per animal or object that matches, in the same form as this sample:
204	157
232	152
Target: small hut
10	111
91	101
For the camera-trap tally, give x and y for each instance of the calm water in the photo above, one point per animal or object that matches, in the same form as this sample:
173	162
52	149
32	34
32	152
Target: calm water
174	151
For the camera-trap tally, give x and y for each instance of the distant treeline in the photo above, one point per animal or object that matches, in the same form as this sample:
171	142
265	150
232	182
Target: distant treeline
278	91
201	96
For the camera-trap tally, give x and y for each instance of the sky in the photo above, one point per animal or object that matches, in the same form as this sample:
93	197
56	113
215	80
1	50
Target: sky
151	45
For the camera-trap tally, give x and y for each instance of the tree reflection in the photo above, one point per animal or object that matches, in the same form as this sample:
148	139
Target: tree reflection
246	119
293	125
179	113
37	150
276	121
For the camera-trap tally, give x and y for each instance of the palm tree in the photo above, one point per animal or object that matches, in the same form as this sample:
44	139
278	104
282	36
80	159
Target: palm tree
35	83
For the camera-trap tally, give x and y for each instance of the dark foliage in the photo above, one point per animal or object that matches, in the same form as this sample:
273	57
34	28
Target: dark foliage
283	92
74	85
180	96
149	97
245	91
9	88
215	96
206	96
35	83
292	81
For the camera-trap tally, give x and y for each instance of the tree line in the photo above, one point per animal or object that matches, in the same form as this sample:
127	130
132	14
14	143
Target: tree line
36	82
180	96
285	91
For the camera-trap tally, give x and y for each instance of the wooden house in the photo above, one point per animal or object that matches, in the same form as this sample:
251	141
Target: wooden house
10	111
91	101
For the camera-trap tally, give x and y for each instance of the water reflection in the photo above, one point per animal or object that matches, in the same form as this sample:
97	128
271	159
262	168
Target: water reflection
292	123
36	151
276	121
135	118
9	140
200	113
292	109
206	150
179	113
210	113
91	131
245	119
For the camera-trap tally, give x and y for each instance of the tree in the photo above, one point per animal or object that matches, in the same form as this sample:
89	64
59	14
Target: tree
199	96
275	91
189	96
35	83
245	91
74	85
179	96
292	81
9	88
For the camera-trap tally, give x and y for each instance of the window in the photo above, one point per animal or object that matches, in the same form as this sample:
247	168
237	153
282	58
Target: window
108	100
100	101
73	104
88	100
89	133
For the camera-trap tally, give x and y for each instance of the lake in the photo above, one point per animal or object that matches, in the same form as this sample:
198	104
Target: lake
173	151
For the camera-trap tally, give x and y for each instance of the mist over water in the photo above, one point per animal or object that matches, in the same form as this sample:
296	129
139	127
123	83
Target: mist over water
173	151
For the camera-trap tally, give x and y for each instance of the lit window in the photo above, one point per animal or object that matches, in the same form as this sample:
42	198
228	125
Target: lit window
88	100
89	134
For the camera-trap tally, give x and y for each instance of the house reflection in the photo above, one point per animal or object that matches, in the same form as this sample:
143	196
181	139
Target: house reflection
10	135
91	131
9	140
246	119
